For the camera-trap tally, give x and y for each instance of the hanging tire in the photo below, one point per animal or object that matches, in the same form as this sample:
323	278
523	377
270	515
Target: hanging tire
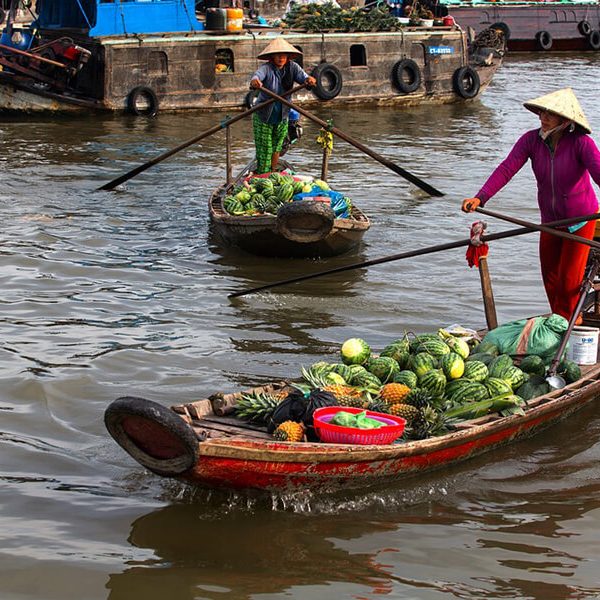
329	81
466	82
544	40
594	39
153	435
584	27
406	75
504	28
142	101
305	221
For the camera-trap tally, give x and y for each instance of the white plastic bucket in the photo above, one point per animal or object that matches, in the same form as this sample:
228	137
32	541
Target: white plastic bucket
583	345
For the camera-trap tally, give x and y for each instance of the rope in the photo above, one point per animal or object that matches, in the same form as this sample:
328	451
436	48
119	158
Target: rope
84	14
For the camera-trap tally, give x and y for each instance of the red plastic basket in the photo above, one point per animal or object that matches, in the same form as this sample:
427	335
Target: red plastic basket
337	434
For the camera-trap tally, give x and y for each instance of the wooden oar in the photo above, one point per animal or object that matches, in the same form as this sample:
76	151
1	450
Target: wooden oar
344	136
225	123
545	228
411	253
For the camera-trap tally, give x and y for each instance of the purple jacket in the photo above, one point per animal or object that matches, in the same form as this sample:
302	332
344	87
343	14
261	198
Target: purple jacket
563	179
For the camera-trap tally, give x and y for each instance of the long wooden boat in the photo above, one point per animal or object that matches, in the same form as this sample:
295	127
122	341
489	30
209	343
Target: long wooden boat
201	444
143	57
308	233
535	26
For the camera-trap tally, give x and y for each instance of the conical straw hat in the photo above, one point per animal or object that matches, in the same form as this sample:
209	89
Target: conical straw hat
563	103
278	46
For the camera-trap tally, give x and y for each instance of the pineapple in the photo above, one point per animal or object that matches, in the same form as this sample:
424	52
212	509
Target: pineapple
429	424
378	405
394	393
258	407
289	431
406	411
346	395
419	398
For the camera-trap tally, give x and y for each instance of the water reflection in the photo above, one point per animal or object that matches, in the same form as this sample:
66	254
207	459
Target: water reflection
233	556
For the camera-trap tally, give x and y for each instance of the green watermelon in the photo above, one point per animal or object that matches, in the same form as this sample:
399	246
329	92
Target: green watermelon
454	385
422	362
398	350
367	380
355	351
434	381
535	386
497	386
569	370
487	347
497	366
285	192
483	357
406	377
459	346
344	370
476	371
432	345
453	365
356	371
533	364
513	376
473	392
384	368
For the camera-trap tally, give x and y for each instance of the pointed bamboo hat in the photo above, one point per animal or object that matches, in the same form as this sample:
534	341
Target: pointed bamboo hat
563	103
278	46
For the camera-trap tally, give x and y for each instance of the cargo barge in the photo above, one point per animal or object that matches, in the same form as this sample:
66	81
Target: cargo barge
151	55
534	26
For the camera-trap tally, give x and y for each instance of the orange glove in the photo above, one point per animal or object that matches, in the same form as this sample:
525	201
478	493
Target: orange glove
470	204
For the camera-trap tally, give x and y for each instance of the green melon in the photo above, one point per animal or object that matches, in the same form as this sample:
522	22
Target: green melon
483	357
473	392
569	370
434	381
383	368
432	345
533	364
497	386
476	371
406	377
355	351
459	346
453	365
513	376
497	366
535	386
422	362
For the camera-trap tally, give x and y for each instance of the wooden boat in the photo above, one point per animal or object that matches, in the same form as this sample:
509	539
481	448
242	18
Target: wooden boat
536	25
143	57
201	444
301	229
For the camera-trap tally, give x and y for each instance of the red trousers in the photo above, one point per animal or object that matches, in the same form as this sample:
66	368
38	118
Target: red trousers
563	267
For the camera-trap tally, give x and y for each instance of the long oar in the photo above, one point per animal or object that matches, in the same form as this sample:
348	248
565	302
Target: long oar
225	123
411	253
545	228
344	136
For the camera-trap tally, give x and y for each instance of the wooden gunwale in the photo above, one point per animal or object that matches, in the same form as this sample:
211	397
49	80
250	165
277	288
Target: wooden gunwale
559	403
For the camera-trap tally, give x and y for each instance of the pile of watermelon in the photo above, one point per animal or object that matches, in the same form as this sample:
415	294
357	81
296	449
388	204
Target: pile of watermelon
451	369
265	195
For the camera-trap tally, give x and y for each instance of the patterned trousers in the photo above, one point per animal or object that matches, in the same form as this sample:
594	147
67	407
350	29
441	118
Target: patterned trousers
268	139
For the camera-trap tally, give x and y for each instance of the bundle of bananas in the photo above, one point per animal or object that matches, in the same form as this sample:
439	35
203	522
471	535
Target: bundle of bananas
325	140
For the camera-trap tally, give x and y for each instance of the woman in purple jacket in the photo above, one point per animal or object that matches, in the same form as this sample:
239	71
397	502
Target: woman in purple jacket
563	157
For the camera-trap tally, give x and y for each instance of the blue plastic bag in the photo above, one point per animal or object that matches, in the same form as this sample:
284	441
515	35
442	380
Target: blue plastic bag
340	205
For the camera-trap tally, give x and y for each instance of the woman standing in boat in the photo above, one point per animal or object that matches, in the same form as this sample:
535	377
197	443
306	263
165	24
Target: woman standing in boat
563	157
271	122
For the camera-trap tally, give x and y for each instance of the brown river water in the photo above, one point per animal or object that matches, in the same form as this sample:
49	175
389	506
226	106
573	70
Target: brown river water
106	294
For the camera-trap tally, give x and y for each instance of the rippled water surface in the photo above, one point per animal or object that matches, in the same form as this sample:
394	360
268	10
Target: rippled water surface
104	294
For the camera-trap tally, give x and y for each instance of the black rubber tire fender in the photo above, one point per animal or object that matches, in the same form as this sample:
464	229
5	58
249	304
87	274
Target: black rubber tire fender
305	221
504	28
406	75
329	81
128	414
584	27
594	39
544	40
466	82
149	94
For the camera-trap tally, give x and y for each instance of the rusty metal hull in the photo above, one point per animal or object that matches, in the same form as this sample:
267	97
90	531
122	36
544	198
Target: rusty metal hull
180	69
525	22
246	461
